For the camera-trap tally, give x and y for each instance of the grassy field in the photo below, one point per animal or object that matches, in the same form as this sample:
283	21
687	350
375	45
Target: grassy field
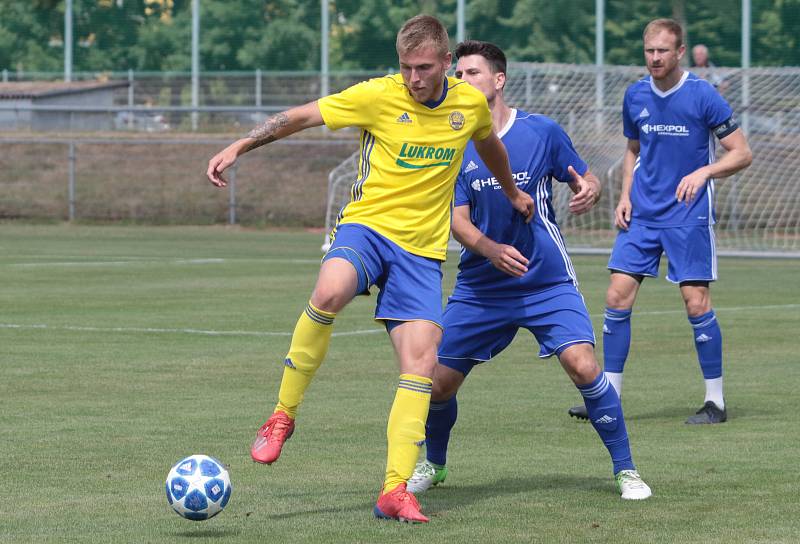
123	349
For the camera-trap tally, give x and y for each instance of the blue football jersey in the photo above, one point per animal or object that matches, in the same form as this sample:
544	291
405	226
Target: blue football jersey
674	129
539	150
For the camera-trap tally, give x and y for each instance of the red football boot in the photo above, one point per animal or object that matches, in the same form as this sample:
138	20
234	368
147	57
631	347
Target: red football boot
400	505
271	437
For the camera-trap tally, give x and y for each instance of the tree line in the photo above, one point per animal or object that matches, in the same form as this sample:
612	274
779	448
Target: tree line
285	34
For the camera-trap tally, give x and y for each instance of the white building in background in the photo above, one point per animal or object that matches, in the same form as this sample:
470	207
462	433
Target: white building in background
17	98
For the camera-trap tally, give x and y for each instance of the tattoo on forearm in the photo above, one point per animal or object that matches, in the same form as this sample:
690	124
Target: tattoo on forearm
265	133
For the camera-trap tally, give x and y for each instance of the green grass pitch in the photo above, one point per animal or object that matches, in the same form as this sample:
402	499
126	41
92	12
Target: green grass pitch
123	349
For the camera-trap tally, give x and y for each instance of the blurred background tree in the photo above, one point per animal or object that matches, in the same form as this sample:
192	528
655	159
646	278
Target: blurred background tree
285	34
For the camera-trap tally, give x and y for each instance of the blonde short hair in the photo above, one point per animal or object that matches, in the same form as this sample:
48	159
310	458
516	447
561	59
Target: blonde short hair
670	25
421	31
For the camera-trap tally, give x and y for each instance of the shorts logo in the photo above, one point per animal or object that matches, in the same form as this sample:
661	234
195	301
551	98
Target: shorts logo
456	120
288	362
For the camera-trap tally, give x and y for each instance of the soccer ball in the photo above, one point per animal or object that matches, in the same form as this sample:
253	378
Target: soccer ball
198	487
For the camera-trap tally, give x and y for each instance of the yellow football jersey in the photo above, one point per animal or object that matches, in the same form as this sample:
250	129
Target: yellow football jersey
410	157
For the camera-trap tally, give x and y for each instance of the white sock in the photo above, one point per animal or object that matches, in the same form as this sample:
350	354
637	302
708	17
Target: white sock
616	380
714	392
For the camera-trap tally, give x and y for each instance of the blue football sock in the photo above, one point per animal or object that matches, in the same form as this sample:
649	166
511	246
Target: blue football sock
605	413
616	339
708	342
441	418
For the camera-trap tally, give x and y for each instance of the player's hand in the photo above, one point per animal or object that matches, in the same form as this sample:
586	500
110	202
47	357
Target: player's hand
622	215
507	259
219	163
523	203
690	185
587	194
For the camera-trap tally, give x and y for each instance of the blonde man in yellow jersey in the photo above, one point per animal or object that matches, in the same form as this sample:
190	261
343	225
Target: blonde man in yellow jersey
393	233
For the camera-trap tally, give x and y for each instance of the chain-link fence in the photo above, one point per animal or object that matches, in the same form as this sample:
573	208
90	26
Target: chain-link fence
255	88
161	102
758	210
161	180
138	152
86	177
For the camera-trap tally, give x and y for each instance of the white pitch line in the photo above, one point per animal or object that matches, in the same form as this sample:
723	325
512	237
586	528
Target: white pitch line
157	330
358	333
721	309
116	263
156	262
141	329
208	332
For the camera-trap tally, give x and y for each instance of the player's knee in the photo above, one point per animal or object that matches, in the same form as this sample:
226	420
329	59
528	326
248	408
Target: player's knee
698	302
695	308
696	297
443	391
421	363
618	299
614	298
331	298
445	384
580	364
585	372
622	290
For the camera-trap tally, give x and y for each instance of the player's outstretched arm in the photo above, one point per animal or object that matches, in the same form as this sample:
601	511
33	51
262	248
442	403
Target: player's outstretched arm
504	257
738	157
586	189
274	128
494	155
622	214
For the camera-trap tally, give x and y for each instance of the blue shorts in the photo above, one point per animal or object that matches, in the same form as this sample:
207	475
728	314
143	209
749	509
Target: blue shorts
410	285
691	252
478	329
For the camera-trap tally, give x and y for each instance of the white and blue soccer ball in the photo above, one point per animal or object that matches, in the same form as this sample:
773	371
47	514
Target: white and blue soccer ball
198	487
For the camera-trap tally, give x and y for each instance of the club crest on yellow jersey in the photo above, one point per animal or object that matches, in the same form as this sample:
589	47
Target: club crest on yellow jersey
456	120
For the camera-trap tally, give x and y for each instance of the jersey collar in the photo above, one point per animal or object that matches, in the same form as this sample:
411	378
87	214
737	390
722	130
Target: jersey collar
433	103
674	89
509	123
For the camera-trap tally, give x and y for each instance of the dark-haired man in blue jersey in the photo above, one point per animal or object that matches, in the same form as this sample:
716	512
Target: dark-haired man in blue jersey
518	275
666	205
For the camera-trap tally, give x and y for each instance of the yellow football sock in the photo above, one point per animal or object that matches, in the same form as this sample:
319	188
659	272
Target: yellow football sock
406	429
310	341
